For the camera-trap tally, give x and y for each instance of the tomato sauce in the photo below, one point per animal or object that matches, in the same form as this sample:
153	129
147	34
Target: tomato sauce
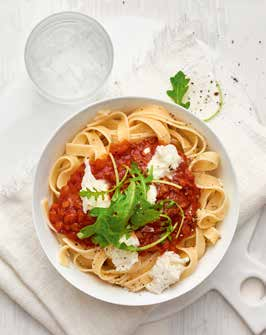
67	216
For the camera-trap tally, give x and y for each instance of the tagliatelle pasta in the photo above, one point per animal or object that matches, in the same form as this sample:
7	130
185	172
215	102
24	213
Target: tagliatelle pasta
177	220
62	170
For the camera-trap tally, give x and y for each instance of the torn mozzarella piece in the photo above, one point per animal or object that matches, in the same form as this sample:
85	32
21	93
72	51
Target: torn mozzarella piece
166	271
123	260
131	240
152	194
164	161
93	184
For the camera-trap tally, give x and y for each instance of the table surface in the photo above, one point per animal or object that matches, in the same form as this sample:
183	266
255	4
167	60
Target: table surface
237	28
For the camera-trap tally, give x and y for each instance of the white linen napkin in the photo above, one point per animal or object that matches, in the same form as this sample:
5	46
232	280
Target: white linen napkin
26	274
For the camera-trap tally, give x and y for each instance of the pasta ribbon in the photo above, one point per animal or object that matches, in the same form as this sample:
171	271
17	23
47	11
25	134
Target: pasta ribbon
212	235
213	200
61	171
191	253
63	256
200	243
206	161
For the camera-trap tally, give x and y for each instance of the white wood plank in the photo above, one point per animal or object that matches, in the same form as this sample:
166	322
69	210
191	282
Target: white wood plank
209	315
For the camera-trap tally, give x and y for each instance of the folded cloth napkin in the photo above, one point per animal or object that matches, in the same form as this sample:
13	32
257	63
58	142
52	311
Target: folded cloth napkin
26	274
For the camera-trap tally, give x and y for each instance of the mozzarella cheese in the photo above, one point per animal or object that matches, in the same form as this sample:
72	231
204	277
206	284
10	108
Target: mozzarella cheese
166	271
152	194
91	183
164	161
123	260
131	240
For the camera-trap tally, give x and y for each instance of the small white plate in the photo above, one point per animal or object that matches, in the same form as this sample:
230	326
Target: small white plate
90	284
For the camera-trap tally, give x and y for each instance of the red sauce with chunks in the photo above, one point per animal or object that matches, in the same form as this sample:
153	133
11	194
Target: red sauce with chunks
67	216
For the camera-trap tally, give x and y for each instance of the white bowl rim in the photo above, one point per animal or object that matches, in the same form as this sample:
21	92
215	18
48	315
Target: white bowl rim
149	100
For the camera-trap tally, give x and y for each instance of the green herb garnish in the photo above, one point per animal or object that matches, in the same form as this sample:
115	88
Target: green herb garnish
111	223
97	194
129	210
138	176
209	118
180	85
144	213
170	228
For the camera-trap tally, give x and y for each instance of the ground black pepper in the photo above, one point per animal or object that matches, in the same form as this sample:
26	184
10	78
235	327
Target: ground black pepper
234	79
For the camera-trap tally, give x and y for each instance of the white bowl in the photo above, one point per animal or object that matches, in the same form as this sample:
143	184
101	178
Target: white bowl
90	284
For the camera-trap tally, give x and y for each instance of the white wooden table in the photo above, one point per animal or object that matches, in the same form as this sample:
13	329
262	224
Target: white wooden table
237	28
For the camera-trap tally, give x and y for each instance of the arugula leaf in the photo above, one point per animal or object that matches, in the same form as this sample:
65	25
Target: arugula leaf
137	176
164	236
111	222
129	210
170	203
179	89
144	211
96	194
93	193
170	228
123	207
143	214
131	205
